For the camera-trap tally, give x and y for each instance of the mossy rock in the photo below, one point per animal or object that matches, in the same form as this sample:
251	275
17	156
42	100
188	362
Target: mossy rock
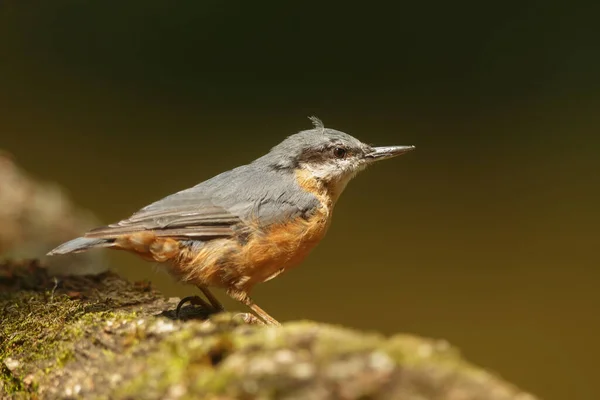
103	337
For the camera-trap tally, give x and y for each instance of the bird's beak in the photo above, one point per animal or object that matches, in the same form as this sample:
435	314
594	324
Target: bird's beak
383	153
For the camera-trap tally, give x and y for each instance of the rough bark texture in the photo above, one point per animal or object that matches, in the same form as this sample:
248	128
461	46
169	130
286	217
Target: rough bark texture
103	337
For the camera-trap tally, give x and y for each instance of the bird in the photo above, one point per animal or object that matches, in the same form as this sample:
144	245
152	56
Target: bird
247	225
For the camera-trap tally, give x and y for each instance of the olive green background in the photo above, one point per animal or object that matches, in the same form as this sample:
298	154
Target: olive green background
486	235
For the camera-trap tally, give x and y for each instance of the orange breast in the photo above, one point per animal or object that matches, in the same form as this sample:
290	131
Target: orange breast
285	245
280	248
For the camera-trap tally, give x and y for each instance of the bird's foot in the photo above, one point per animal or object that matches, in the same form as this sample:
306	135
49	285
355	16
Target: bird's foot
248	318
196	301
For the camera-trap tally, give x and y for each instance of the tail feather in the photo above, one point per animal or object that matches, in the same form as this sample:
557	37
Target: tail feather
81	244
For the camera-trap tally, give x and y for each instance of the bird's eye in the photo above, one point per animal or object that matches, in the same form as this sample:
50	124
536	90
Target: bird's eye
339	152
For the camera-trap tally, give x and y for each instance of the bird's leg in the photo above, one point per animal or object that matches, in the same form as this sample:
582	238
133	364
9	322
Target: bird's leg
243	298
245	317
216	304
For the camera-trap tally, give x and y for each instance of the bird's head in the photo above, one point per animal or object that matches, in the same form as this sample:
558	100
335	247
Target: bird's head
330	156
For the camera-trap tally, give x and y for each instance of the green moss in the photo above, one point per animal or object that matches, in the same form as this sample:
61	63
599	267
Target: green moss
41	328
192	359
10	383
63	357
28	331
36	327
186	357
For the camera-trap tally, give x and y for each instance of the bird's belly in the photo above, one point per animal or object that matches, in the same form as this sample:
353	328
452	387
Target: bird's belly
280	248
265	253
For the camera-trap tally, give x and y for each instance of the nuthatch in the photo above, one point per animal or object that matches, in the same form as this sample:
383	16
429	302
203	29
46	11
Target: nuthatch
247	225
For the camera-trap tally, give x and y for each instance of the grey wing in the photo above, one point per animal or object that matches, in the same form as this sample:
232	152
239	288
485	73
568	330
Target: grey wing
180	215
219	207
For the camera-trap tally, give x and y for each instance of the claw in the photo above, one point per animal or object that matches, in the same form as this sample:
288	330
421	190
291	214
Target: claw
193	300
249	319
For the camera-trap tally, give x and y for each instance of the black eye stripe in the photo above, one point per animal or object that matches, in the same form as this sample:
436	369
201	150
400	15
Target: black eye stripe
323	154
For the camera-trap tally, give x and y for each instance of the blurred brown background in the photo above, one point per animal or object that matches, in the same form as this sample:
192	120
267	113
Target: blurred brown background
486	235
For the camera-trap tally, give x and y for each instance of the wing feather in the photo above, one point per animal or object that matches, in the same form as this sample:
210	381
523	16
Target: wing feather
200	220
